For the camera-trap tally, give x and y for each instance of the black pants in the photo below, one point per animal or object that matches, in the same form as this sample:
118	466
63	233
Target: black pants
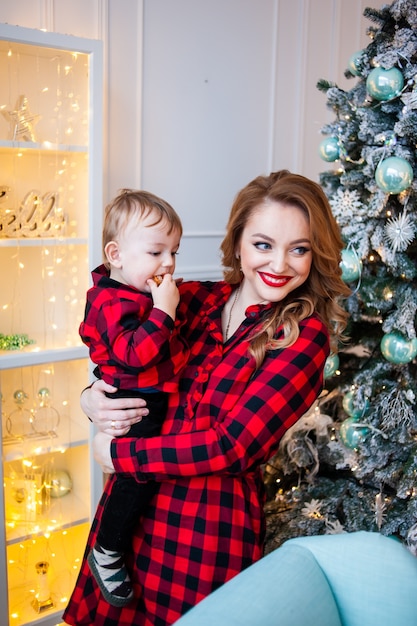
129	499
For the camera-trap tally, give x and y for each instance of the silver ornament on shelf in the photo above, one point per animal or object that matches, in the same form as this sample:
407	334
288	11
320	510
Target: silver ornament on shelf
22	121
59	484
46	417
19	423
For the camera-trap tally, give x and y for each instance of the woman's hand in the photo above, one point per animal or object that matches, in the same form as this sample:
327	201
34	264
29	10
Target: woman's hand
101	452
113	416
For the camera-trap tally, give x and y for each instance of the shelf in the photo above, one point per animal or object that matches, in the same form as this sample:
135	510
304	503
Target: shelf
61	508
37	512
36	446
62	550
10	242
35	356
8	144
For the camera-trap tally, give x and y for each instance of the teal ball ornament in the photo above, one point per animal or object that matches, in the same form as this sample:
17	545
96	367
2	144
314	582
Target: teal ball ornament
347	402
351	434
351	265
384	84
331	365
394	175
60	483
353	63
398	349
353	409
329	149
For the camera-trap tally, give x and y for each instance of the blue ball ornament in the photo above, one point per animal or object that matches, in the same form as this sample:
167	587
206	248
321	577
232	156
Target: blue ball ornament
353	63
398	349
353	409
351	435
329	149
394	175
331	365
384	84
351	265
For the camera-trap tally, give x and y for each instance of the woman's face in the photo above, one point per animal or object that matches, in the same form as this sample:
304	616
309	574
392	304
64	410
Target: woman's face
275	252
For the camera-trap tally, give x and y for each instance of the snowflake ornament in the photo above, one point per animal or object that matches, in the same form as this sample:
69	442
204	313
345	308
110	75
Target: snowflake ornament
347	206
312	509
399	232
334	528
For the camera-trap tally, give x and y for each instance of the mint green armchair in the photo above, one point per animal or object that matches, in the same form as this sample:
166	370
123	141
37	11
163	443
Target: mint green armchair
355	579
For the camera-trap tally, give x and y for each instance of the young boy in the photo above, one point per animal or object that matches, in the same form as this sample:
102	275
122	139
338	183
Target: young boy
133	336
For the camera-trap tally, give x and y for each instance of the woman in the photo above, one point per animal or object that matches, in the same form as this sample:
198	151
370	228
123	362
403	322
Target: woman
258	345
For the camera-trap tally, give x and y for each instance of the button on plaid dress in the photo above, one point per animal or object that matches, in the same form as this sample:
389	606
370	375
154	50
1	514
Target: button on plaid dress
206	522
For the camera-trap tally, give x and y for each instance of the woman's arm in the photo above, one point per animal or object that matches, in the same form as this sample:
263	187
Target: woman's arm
248	432
111	415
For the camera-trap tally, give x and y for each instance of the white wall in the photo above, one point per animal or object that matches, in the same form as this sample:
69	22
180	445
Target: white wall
202	95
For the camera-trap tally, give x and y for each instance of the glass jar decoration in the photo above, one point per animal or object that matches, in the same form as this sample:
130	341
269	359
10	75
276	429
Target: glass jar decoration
42	600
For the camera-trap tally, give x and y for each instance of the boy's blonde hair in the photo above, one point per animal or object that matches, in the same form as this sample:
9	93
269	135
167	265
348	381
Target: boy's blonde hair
136	204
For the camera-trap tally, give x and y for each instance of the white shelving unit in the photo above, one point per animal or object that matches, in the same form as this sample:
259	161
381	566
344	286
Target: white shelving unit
50	226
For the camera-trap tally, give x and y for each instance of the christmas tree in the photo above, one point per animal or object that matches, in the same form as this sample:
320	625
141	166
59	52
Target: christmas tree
351	463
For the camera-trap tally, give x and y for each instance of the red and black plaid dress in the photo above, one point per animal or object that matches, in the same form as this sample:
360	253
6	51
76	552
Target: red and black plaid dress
206	523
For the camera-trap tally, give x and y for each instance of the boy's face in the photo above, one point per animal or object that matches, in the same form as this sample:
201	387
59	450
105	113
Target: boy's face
144	251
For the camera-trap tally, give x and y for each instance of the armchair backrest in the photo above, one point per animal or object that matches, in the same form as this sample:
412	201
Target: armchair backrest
355	579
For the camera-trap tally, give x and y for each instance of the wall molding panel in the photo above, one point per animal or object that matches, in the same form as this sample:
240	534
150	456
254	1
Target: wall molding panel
202	96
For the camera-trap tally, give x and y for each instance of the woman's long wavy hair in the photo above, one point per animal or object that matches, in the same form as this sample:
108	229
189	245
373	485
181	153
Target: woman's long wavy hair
322	291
